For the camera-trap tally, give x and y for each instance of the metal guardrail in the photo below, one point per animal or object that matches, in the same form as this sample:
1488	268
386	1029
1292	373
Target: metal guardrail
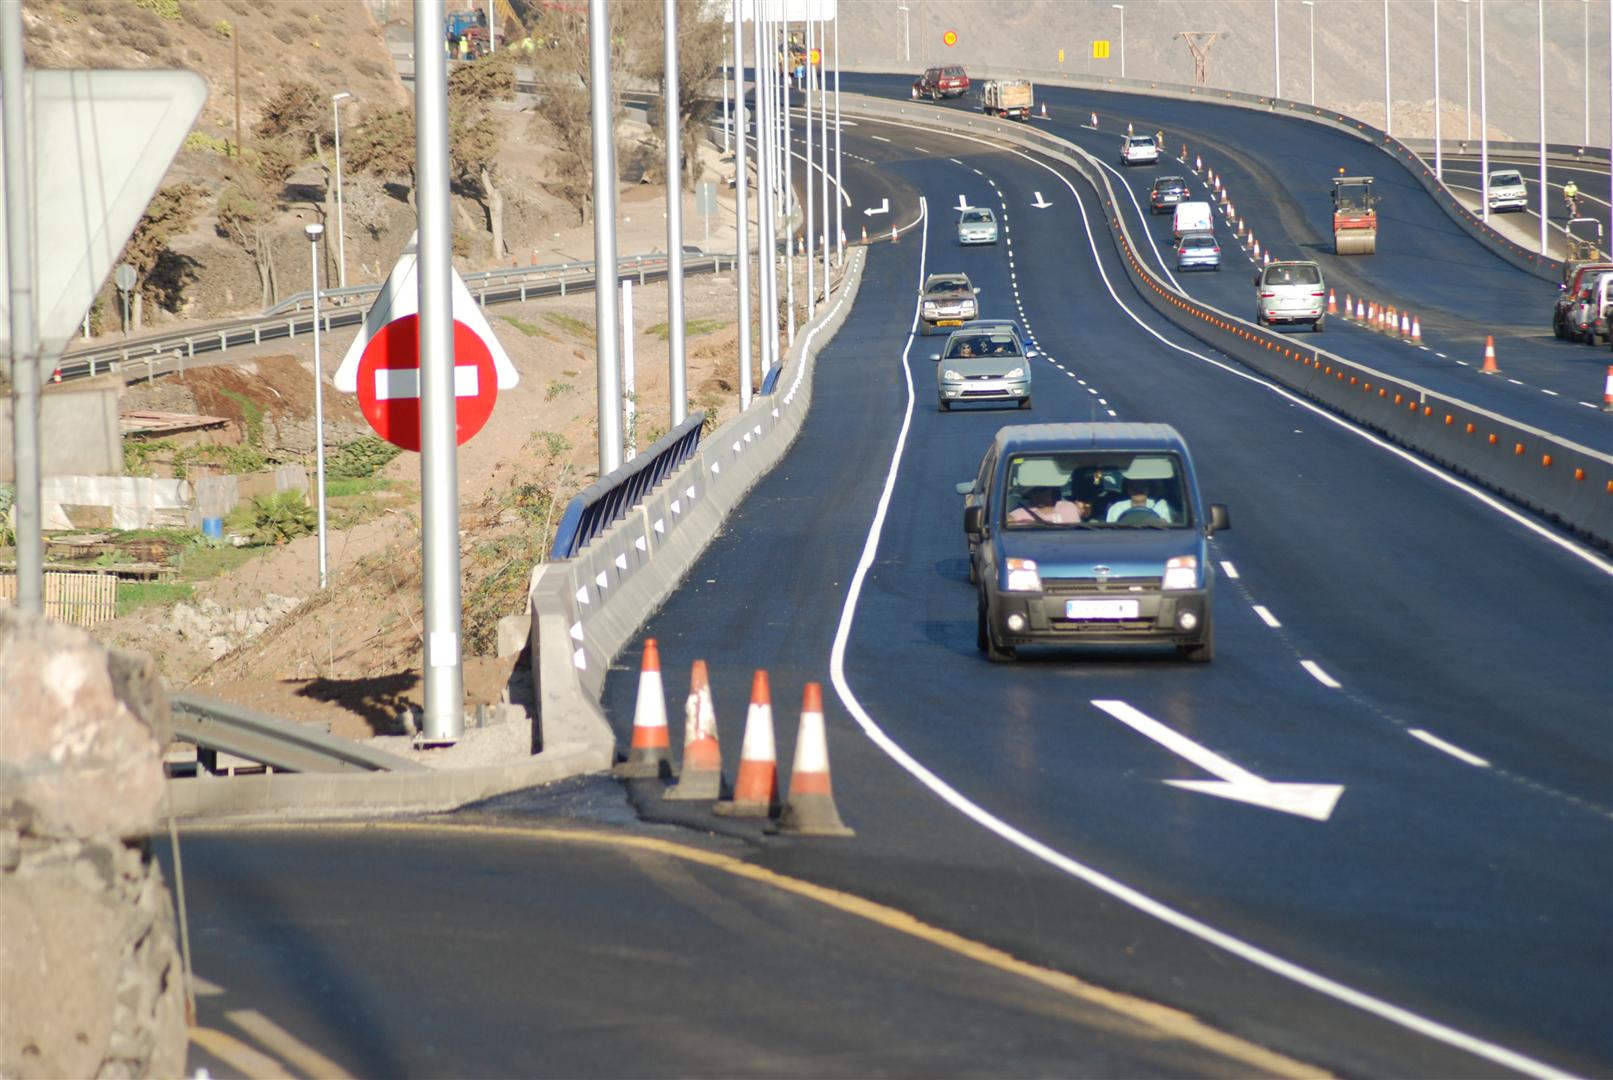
608	499
162	353
213	725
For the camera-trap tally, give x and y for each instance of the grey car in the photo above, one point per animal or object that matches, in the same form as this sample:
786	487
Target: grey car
977	225
1291	292
1198	251
985	361
947	300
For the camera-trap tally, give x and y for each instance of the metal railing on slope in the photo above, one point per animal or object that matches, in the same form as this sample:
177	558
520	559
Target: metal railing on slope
213	725
608	499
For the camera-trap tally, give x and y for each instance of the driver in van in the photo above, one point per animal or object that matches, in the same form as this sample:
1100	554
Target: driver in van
1137	499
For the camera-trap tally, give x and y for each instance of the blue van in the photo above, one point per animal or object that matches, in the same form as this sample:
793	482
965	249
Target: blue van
1090	534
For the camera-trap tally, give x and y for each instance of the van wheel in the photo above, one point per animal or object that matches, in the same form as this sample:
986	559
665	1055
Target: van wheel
946	406
986	641
1204	651
1024	403
1316	327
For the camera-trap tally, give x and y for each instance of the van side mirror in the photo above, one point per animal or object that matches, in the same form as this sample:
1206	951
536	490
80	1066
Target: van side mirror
1220	520
971	519
1257	279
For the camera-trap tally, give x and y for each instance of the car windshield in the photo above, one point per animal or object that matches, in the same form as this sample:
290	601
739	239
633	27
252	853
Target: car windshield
949	287
1142	140
1293	275
965	346
1094	490
1198	241
1506	179
971	217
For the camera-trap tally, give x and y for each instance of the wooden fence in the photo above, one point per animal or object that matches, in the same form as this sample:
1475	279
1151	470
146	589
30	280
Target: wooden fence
82	598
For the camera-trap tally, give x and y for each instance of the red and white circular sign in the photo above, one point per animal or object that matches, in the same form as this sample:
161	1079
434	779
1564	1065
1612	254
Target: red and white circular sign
389	382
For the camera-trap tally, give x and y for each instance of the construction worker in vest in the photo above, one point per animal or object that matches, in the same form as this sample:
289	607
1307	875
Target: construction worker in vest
464	48
526	45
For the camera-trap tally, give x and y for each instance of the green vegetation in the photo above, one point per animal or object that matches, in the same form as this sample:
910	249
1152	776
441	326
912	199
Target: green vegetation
341	487
555	389
360	458
499	569
691	328
525	327
571	325
235	460
281	518
8	535
167	9
200	140
251	415
133	595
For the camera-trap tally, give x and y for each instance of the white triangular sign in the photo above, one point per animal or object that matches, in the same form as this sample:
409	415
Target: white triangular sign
400	296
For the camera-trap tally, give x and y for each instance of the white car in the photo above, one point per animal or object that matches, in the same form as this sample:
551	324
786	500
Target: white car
1507	191
1138	150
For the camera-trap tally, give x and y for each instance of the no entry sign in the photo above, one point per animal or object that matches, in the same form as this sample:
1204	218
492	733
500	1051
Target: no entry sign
389	382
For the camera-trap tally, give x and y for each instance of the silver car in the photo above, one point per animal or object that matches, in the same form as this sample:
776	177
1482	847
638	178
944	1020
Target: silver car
984	361
977	225
1291	292
1198	250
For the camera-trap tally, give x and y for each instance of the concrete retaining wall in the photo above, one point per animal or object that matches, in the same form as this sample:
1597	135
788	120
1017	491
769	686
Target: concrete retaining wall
78	432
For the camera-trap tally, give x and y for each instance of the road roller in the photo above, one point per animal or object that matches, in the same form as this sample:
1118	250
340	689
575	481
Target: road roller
1355	219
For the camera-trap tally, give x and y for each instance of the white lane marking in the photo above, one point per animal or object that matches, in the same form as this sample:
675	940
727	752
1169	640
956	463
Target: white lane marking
1266	616
1514	382
1319	675
1146	229
963	203
1454	751
1442	356
954	161
979	173
1230	570
1314	801
1590	405
880	138
921	150
1553	393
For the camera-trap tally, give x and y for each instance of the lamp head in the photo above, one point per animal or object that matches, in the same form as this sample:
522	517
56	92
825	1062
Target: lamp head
312	231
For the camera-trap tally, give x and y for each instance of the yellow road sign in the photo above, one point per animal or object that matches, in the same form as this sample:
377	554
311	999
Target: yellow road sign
1100	50
950	38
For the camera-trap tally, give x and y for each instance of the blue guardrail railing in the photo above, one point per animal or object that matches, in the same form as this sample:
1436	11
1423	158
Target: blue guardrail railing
608	499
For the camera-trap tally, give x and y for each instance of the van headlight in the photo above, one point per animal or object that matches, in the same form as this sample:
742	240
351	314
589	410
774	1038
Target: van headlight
1182	572
951	376
1017	373
929	308
1022	576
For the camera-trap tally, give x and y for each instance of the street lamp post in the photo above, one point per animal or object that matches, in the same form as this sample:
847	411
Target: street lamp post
725	143
1484	128
1585	40
907	34
1388	123
1467	60
1276	53
312	231
1122	9
1439	153
1311	4
1540	68
341	233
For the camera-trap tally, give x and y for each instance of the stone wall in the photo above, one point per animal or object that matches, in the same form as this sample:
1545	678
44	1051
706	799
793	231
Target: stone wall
89	970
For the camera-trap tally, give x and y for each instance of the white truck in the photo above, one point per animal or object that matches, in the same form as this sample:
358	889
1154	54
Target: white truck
1007	97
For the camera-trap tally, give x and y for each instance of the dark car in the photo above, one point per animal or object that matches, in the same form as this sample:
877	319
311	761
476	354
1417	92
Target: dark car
1090	534
1166	193
947	300
938	82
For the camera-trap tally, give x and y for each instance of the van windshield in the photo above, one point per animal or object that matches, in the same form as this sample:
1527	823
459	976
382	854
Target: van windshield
1506	179
1094	489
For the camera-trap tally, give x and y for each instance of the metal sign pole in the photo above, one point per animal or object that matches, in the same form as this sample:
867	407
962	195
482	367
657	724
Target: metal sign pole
789	232
444	693
811	225
823	149
741	211
674	220
629	375
24	342
313	230
767	244
840	202
605	271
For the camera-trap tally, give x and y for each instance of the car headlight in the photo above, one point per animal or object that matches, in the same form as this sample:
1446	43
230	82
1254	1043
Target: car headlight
1017	373
951	376
1022	576
1182	572
929	308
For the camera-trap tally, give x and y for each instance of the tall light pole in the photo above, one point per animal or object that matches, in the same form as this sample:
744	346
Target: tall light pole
1467	96
840	202
1484	129
1122	9
312	231
1540	68
725	144
672	125
1388	122
1585	39
823	147
21	295
907	34
607	319
741	211
1311	4
811	277
1439	153
341	232
1276	53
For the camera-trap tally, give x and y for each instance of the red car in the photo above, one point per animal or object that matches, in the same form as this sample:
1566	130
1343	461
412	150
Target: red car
939	82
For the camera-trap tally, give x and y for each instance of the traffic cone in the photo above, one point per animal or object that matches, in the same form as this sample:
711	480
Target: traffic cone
1405	325
1094	121
1256	244
1490	366
1266	259
1607	391
756	785
1349	306
1198	163
1360	311
1128	128
1044	110
1416	331
865	234
651	752
702	758
1183	157
1332	303
56	376
811	809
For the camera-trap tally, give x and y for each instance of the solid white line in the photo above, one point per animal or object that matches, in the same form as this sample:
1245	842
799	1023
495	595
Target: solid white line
1267	617
1230	570
1126	894
1319	675
1454	751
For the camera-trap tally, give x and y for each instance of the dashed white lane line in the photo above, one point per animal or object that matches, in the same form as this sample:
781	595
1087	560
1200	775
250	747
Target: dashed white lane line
1229	570
1319	675
1266	616
921	149
1553	393
954	161
1590	405
879	138
978	172
1514	382
1442	356
1454	751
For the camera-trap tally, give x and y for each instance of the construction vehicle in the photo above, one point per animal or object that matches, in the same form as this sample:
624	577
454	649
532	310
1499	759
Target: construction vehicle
469	26
1584	238
1007	97
1355	217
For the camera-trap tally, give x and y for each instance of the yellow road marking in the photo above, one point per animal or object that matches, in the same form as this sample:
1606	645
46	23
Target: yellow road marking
1168	1021
252	1063
276	1038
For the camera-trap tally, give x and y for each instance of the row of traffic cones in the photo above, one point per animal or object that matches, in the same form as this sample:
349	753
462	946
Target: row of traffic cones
810	810
1384	318
894	239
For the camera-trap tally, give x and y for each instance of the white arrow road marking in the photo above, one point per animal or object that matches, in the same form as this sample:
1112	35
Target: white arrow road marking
963	203
1315	801
1041	203
884	206
397	383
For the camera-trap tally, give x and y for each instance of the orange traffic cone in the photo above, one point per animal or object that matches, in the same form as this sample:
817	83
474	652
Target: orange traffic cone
1094	121
756	785
1332	303
893	234
1607	391
1405	325
1044	110
1198	162
1349	306
865	234
1490	366
1360	311
1416	330
811	809
1265	260
702	758
1256	244
651	752
1128	128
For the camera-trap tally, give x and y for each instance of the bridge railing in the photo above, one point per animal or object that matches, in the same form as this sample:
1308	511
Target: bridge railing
608	499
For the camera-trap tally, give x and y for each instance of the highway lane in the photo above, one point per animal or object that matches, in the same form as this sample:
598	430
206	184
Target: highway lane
1280	170
1428	861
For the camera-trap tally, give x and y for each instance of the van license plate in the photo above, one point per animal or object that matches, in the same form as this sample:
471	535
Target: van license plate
1100	609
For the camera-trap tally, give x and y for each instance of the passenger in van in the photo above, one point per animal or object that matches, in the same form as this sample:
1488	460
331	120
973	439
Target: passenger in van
1137	499
1046	505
